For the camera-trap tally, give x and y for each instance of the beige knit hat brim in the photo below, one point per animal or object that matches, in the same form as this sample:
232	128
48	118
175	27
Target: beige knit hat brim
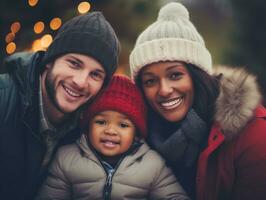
169	49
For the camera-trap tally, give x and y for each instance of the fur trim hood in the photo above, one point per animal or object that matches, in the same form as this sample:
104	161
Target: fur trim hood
239	96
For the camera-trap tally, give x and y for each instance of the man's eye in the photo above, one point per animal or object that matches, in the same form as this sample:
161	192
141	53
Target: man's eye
74	64
97	75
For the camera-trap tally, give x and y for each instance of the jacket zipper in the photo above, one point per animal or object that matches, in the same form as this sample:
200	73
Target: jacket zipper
108	183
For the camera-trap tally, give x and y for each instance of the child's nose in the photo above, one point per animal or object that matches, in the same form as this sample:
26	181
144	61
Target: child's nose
110	131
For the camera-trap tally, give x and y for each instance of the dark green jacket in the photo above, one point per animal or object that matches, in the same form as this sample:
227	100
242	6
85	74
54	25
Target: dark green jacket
21	147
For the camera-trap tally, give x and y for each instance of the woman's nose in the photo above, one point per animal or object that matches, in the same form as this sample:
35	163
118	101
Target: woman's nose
165	89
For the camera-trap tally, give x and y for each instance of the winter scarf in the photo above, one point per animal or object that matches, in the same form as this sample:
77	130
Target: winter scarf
185	142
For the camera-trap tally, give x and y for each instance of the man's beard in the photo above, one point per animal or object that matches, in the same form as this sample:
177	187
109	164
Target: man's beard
51	92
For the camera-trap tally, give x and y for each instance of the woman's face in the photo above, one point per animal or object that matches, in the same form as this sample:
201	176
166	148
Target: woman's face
168	88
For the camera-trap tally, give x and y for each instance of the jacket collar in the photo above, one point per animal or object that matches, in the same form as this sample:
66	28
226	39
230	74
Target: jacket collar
25	67
238	99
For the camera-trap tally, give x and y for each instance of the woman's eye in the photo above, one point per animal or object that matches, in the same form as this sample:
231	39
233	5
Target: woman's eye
175	75
148	82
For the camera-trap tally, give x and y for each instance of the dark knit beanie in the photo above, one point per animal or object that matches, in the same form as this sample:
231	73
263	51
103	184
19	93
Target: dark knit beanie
88	34
122	96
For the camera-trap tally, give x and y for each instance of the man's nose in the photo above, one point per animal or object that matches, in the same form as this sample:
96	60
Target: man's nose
81	79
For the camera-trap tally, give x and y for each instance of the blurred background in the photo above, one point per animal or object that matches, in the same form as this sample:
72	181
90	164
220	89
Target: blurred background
234	30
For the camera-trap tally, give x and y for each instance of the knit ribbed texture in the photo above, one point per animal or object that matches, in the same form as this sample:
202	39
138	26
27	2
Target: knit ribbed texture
122	96
171	38
88	34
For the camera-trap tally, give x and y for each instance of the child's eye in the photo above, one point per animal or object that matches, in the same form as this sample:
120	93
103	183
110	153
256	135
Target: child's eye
100	122
124	125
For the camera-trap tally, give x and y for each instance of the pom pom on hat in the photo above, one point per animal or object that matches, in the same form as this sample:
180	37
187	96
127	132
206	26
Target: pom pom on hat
172	37
173	11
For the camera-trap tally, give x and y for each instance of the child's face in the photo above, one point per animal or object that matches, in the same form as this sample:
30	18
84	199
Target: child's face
111	133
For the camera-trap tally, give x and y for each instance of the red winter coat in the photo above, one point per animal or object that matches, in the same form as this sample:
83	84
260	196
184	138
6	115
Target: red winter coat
233	166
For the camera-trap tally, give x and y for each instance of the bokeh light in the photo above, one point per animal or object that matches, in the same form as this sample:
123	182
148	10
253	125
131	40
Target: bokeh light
38	27
10	37
84	7
36	45
15	27
46	40
55	23
32	2
11	48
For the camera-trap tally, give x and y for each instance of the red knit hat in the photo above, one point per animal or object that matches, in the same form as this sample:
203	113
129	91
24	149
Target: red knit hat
122	96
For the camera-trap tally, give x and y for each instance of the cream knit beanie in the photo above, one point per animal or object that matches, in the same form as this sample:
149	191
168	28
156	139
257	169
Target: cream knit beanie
171	38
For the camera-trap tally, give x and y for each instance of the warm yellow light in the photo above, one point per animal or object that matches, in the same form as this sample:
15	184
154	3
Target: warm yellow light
38	27
55	23
36	45
32	2
15	27
121	70
46	40
84	7
11	48
10	37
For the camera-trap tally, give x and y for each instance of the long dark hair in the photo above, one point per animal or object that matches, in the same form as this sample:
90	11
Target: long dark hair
206	88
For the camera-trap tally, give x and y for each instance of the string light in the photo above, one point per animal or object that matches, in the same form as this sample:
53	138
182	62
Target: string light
55	23
38	27
11	47
84	7
15	27
32	2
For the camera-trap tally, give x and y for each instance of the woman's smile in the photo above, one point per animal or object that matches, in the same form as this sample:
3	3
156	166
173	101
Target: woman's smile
172	103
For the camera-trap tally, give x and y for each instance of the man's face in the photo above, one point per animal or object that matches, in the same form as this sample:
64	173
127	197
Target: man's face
71	80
